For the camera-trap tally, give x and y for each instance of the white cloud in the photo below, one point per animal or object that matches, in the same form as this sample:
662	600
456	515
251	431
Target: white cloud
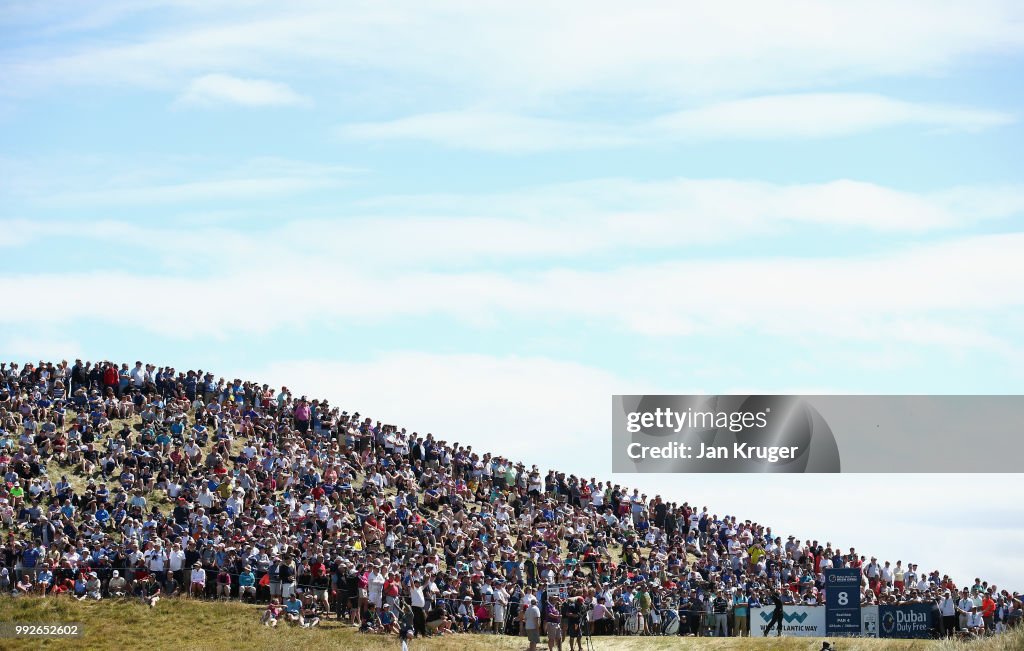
501	132
770	117
218	190
617	214
558	221
448	256
818	115
530	51
92	181
218	89
948	293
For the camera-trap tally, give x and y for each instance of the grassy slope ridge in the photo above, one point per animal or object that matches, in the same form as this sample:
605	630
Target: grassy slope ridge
181	624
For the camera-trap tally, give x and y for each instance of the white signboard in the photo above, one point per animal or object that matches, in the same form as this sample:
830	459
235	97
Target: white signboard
869	621
797	621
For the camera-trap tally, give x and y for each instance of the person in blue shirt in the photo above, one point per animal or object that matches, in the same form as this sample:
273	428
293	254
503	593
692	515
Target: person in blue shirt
80	586
102	516
29	559
120	515
44	580
387	619
293	610
247	584
178	428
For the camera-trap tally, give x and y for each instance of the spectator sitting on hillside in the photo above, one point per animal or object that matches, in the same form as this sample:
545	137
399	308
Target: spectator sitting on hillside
293	610
272	613
118	585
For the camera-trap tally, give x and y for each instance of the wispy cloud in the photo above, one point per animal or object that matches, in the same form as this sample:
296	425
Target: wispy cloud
488	131
949	293
773	117
89	182
624	213
219	190
559	222
818	115
219	90
530	52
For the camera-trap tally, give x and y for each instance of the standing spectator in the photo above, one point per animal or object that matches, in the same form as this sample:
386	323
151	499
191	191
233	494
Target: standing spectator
302	415
721	612
741	612
419	604
274	574
964	607
948	612
553	623
531	623
572	615
287	574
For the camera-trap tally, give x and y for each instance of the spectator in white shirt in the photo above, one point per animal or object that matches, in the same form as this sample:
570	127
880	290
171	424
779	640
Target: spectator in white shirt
197	581
964	607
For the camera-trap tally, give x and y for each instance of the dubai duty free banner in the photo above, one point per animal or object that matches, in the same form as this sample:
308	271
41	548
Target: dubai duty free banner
817	434
905	621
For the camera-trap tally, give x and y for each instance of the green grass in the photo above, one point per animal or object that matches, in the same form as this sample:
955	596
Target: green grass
181	624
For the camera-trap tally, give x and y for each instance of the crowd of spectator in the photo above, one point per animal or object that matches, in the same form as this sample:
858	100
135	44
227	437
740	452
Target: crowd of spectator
149	482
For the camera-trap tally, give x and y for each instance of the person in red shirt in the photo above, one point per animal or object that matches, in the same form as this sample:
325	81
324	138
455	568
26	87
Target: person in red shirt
318	574
392	588
988	611
111	380
63	586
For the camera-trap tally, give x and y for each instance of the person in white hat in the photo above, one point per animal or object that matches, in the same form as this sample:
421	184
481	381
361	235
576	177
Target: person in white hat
117	585
93	588
197	581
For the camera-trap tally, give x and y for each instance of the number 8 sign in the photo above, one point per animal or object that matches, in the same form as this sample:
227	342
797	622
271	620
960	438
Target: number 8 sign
842	601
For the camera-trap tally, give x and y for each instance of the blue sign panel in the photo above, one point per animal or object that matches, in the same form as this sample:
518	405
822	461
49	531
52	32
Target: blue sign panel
910	620
842	601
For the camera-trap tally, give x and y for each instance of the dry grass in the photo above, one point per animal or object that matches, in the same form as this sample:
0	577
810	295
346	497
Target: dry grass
181	624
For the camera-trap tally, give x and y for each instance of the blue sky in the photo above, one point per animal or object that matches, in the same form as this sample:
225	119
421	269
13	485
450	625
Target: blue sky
484	219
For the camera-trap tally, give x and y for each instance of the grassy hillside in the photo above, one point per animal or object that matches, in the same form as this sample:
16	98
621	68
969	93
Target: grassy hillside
178	625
